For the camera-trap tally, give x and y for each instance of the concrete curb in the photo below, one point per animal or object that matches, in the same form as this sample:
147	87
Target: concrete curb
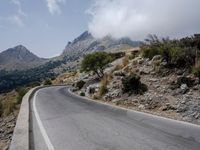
20	139
183	129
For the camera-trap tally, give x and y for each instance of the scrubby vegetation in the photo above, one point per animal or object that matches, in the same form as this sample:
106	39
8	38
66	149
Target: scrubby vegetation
80	84
82	94
47	82
20	94
12	79
97	61
132	84
196	68
176	53
125	61
8	106
8	103
1	109
103	85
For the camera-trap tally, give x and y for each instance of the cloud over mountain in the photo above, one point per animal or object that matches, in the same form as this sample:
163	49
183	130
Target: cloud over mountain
137	18
54	6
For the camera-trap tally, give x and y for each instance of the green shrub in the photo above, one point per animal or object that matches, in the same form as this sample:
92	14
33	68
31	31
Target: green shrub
82	94
196	69
91	90
149	51
177	53
1	108
21	92
185	80
47	82
80	84
132	84
34	84
117	55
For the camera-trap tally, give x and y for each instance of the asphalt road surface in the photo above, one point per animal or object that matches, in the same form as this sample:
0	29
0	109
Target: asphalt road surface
62	121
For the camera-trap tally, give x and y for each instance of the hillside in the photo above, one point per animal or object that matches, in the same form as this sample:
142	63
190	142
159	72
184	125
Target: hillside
162	78
19	58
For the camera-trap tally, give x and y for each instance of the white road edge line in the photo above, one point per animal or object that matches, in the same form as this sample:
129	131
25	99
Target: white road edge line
41	127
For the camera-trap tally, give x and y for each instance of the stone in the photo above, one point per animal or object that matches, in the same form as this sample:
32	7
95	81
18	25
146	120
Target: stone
119	73
141	107
113	94
184	88
156	58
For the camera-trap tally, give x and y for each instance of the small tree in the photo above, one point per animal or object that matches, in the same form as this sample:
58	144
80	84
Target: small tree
96	62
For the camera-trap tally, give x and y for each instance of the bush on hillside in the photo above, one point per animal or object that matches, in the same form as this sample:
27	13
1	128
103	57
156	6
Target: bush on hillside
47	82
117	55
34	84
82	94
80	84
91	90
132	84
21	92
196	69
177	53
1	108
103	85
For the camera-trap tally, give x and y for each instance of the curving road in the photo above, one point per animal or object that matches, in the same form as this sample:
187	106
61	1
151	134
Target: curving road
62	121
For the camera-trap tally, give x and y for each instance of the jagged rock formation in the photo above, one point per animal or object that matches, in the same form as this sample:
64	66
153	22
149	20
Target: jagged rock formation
86	43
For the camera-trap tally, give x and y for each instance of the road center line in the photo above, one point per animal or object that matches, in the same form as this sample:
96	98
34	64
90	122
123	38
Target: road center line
41	127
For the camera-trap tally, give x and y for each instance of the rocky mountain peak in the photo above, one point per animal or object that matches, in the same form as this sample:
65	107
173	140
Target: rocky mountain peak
19	57
86	43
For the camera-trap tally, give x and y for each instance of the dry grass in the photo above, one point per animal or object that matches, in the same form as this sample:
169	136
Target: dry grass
156	65
125	61
103	85
8	103
196	68
116	68
61	78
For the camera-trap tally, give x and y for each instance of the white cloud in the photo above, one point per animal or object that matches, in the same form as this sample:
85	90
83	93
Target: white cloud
54	6
20	14
138	18
19	7
16	20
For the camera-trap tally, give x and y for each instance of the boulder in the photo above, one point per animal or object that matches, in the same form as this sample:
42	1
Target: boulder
119	73
184	88
156	58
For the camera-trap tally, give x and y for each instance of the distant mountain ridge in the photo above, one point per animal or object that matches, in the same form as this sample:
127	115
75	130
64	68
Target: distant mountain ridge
86	43
19	58
18	66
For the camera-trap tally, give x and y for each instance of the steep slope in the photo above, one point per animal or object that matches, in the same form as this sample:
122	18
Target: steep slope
86	43
19	58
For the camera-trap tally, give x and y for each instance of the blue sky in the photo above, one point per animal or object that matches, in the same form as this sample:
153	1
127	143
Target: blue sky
42	29
46	26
